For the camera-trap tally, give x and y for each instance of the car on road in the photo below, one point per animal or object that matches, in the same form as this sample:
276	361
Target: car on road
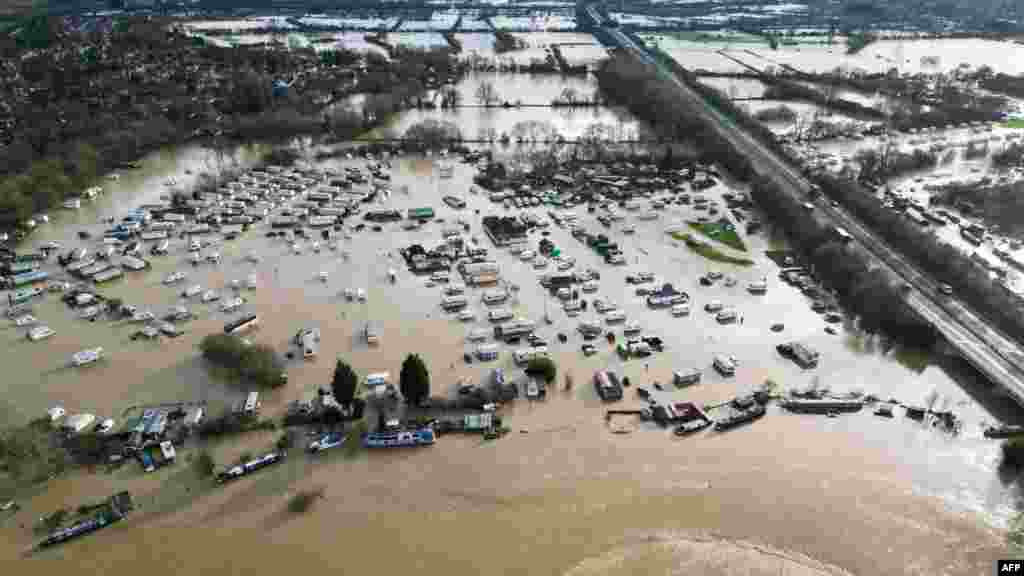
946	289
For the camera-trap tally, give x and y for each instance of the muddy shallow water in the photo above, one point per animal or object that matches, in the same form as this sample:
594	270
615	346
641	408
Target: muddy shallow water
561	494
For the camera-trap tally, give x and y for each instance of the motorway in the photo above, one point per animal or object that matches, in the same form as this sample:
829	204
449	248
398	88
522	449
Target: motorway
993	354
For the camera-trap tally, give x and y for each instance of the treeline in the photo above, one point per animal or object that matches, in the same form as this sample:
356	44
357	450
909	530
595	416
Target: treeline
877	167
625	81
46	183
638	87
782	89
506	42
861	288
944	262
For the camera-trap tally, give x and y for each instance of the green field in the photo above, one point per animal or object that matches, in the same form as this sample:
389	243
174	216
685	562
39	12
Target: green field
710	252
1014	123
721	231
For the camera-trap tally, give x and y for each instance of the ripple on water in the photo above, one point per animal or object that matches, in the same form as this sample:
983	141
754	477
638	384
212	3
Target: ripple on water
694	553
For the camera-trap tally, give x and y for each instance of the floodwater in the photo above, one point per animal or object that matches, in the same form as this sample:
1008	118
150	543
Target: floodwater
531	91
561	494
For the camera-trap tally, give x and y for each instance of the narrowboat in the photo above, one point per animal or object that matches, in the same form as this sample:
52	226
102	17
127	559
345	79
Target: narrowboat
250	467
326	442
740	417
399	438
242	324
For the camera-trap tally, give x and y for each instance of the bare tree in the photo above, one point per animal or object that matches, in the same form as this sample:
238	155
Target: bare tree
486	94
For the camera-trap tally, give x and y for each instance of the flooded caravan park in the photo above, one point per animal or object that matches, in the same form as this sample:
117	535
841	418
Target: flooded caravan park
855	493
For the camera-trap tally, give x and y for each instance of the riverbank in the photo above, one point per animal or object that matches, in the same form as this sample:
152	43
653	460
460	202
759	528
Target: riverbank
580	491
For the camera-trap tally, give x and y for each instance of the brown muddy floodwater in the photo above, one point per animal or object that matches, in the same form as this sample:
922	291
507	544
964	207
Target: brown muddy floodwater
561	494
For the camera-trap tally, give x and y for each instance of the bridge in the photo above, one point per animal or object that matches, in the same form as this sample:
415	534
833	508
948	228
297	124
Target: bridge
993	354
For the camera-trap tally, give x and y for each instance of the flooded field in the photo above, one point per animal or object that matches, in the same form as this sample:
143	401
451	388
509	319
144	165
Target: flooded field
800	494
824	54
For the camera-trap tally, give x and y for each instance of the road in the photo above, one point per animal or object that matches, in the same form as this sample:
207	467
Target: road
993	354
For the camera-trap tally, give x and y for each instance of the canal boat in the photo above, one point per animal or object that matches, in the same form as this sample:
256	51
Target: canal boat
27	278
326	442
691	427
466	316
86	357
193	290
242	324
681	310
740	417
210	296
399	438
249	467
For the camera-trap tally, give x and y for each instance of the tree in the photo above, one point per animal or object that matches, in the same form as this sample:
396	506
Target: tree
568	97
414	380
433	133
486	94
343	384
450	97
205	464
543	367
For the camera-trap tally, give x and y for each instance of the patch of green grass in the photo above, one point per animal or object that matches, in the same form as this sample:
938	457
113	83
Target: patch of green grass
303	501
1017	123
721	231
710	252
353	445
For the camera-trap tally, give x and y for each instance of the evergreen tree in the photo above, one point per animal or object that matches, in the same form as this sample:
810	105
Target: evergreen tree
343	384
414	380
